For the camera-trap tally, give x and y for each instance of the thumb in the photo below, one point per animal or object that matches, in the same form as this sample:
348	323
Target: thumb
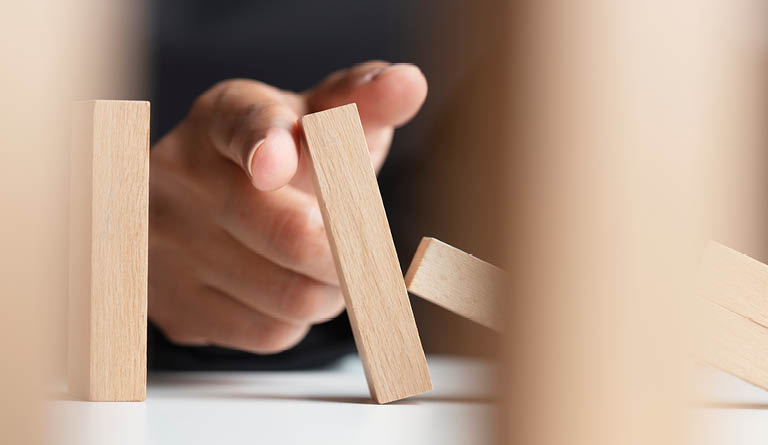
254	126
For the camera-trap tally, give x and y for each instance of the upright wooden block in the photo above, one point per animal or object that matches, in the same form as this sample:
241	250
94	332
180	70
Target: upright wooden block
734	312
364	253
456	281
109	212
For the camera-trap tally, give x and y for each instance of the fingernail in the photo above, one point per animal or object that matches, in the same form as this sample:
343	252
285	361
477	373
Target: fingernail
251	154
395	66
376	73
370	75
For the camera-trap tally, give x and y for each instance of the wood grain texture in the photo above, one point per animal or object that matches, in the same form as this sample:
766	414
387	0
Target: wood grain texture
364	253
735	281
734	288
109	180
456	281
734	344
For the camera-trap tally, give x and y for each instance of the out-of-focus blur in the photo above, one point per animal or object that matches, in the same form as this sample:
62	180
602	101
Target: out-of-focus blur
53	54
594	149
639	134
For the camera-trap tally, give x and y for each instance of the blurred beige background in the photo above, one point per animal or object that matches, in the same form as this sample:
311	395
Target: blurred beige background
53	53
597	131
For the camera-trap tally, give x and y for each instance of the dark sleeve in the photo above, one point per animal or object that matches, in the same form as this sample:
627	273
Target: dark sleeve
323	345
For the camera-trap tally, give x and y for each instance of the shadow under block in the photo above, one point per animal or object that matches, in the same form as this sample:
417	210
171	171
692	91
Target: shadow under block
364	253
109	180
456	281
735	314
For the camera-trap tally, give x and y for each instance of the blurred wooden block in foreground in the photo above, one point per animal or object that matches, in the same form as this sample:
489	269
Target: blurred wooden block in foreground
366	262
456	281
735	314
109	209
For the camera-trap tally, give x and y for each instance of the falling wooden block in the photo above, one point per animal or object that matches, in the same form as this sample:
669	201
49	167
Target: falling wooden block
735	314
109	180
364	253
456	281
736	282
734	344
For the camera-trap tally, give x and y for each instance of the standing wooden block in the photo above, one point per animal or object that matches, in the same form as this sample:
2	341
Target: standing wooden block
456	281
364	253
735	314
109	179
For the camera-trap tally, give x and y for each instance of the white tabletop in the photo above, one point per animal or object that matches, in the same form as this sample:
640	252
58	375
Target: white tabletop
729	411
332	406
328	406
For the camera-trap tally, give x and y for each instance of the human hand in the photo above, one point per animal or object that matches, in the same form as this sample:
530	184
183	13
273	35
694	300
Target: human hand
238	255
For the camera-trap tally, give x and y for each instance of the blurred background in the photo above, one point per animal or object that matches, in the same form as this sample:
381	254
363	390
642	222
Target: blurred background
429	185
588	147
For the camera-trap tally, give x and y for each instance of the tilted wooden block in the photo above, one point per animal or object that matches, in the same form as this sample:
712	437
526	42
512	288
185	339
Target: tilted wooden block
734	344
456	281
109	180
364	253
736	282
734	314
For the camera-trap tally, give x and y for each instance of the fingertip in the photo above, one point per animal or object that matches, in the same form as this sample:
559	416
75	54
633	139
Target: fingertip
387	96
403	89
407	76
273	160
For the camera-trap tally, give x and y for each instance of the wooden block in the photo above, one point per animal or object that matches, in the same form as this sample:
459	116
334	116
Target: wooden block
734	312
734	344
456	281
109	184
736	282
364	253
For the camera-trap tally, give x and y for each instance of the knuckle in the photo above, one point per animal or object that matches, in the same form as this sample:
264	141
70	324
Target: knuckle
214	106
204	103
238	112
220	91
272	111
